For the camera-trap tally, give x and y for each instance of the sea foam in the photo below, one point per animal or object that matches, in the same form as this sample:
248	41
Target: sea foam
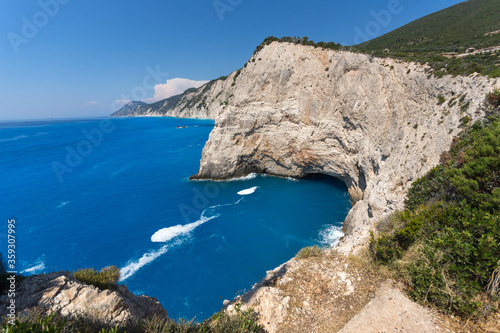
247	177
330	235
166	234
132	267
248	191
36	267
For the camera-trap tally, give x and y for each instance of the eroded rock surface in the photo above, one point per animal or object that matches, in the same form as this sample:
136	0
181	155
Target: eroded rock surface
61	292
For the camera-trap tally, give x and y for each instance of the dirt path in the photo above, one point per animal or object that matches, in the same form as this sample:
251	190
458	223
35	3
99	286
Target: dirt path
391	311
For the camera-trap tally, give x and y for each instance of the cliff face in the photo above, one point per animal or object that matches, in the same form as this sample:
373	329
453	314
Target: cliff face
377	124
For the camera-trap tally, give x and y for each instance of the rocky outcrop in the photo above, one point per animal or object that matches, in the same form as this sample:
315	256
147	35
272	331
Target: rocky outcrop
376	123
61	292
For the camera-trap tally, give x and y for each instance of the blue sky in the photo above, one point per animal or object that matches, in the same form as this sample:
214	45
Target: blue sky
74	58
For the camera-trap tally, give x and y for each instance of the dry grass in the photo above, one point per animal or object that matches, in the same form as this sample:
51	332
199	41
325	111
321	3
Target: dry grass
494	284
327	291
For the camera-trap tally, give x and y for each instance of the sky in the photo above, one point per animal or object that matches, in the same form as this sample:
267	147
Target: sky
74	58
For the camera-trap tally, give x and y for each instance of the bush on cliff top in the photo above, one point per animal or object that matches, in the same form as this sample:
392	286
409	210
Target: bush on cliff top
445	244
298	40
102	280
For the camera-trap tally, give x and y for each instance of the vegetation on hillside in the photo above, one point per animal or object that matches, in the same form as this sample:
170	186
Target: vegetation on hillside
456	28
221	322
445	245
308	252
470	24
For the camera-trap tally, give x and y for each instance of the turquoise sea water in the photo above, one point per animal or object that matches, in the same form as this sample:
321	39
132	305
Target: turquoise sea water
115	191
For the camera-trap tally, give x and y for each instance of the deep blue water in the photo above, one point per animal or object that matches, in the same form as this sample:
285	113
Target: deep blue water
123	198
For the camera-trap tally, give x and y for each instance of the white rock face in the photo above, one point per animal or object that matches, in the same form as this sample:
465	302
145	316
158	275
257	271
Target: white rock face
377	124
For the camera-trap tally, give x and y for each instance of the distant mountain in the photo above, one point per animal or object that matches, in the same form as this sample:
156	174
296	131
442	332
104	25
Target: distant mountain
130	108
192	103
473	23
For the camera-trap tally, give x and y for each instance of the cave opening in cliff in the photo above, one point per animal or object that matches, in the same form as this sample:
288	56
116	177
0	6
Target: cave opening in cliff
327	179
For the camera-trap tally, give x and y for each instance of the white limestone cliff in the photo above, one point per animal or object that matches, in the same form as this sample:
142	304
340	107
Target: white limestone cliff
377	124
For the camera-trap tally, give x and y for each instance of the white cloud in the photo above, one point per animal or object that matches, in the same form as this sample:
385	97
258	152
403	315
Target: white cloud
92	103
173	87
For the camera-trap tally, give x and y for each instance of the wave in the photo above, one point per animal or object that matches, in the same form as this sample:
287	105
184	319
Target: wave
330	235
15	138
166	234
133	266
119	171
37	266
248	191
239	179
63	204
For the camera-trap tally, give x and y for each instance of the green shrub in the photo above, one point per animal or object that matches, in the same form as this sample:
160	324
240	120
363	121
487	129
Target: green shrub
445	244
223	322
494	98
385	249
102	280
433	186
308	252
457	260
49	323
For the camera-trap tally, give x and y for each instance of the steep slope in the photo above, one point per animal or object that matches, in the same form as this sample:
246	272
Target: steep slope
464	25
377	124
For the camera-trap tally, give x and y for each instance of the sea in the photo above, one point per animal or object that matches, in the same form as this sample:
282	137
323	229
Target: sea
116	191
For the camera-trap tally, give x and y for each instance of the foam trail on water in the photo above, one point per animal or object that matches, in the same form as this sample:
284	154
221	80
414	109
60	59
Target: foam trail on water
132	267
166	234
248	191
63	204
223	205
15	138
38	265
330	235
